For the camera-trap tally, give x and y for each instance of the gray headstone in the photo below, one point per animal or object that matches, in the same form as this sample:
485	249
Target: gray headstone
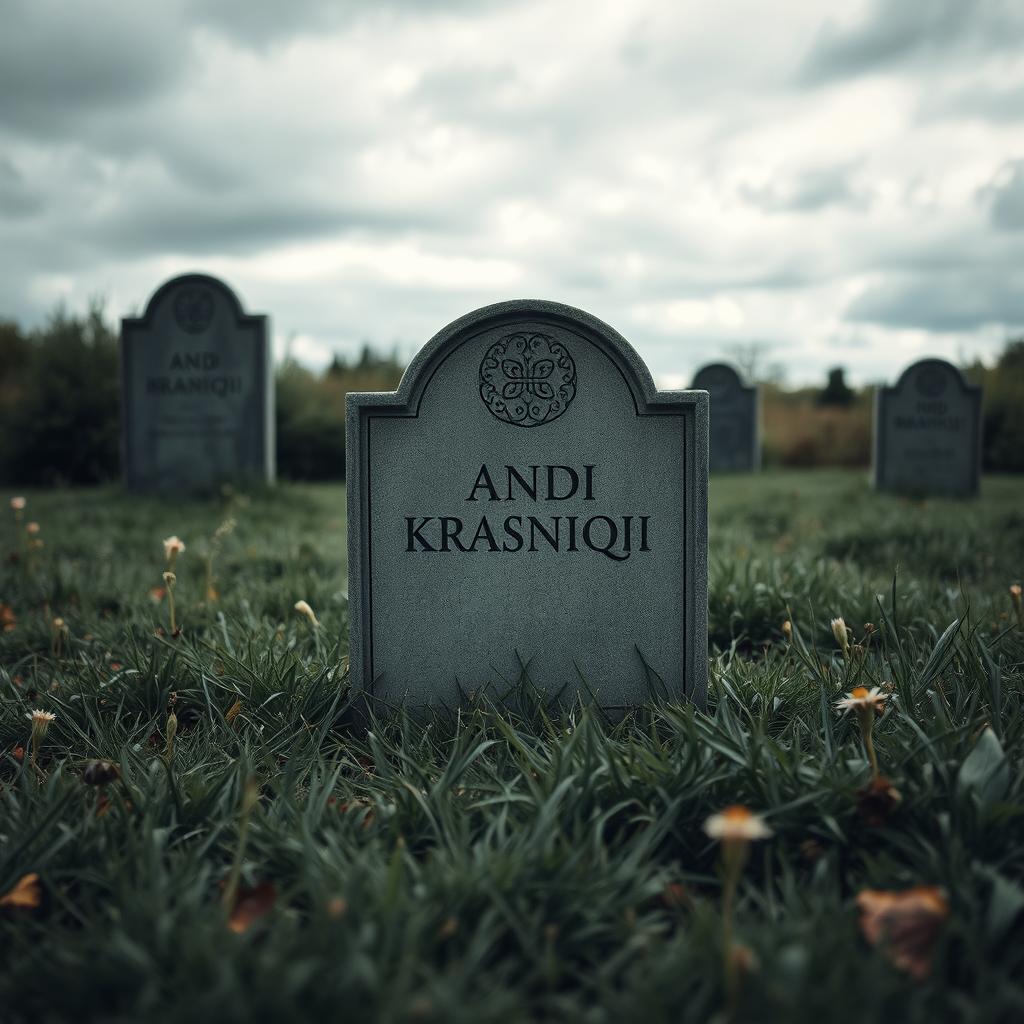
197	390
735	434
527	507
928	433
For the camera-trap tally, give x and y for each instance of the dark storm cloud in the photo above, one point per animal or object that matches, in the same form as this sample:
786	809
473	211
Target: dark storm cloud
262	25
1008	200
17	197
59	59
807	192
238	224
944	302
896	32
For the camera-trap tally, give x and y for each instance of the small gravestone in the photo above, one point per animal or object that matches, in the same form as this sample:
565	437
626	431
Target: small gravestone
735	442
197	390
527	509
928	433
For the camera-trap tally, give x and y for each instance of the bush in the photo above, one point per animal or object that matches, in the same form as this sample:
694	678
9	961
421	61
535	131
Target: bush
59	401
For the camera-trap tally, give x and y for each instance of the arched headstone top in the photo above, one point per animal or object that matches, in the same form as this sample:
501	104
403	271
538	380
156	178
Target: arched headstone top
927	437
197	386
194	297
718	377
527	377
932	377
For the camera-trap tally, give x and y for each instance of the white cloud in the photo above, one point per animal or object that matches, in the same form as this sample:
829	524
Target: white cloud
696	175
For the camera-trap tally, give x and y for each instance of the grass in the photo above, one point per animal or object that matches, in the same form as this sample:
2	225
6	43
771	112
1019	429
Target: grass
490	866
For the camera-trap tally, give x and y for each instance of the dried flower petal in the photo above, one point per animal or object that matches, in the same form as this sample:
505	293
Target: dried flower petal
251	905
905	924
27	893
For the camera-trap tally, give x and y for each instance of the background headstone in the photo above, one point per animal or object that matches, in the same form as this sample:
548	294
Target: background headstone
735	434
928	432
197	390
527	504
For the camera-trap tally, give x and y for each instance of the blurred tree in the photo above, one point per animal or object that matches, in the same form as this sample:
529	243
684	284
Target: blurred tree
836	392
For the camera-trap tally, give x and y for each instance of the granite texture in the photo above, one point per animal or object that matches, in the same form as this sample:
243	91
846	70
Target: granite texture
735	444
928	433
197	386
527	505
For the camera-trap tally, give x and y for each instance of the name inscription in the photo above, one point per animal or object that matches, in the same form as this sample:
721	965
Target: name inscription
616	537
205	377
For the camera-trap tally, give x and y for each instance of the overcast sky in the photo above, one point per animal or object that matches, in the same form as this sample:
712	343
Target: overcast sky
843	182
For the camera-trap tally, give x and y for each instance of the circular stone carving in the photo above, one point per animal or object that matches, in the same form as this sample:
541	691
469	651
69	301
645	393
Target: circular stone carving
527	379
193	309
931	381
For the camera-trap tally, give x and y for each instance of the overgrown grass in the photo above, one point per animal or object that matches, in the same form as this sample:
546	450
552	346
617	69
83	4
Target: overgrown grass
491	867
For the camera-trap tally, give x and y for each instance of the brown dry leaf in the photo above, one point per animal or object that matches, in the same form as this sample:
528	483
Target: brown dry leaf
905	924
232	712
18	751
877	801
27	893
251	905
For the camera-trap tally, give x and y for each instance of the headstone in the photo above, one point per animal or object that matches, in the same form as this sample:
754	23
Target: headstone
197	390
928	433
527	510
735	438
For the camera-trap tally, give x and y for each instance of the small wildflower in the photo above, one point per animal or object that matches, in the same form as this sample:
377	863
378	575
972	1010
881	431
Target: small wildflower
337	907
865	703
18	504
173	546
172	729
905	924
41	721
861	697
736	823
303	608
787	629
32	528
841	634
26	894
735	827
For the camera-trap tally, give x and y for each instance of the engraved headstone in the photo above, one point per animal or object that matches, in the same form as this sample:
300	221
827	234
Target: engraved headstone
197	390
928	433
735	442
527	508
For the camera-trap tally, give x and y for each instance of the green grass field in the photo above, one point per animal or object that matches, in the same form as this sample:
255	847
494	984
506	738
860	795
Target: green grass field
280	864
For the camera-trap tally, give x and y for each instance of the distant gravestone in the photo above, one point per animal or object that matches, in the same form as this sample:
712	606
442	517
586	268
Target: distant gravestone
928	433
197	390
735	437
527	507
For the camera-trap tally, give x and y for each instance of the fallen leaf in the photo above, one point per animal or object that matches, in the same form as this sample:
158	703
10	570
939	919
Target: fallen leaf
27	893
232	712
904	924
251	905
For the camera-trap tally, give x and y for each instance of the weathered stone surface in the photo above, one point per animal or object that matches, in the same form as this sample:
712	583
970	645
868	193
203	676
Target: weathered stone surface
735	444
197	390
928	433
527	505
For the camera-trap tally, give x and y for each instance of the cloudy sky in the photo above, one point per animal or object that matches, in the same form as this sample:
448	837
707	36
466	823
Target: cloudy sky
842	183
